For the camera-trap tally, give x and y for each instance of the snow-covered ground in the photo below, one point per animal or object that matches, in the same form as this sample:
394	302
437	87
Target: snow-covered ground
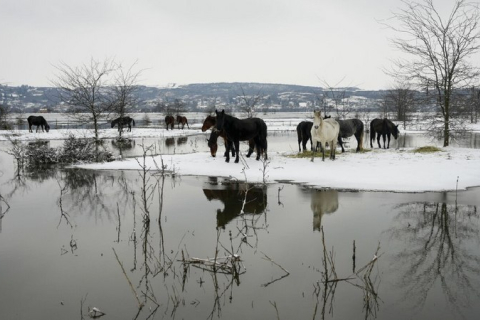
399	170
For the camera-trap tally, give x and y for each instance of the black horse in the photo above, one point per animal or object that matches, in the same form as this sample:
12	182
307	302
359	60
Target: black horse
304	134
238	130
384	128
349	128
169	121
123	121
39	122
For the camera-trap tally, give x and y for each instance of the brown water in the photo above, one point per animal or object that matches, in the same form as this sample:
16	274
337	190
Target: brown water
70	239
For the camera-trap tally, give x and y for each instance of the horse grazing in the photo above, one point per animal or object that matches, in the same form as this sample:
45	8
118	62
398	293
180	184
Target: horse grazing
324	131
304	134
212	144
123	121
349	128
39	122
209	122
183	121
384	128
169	121
238	130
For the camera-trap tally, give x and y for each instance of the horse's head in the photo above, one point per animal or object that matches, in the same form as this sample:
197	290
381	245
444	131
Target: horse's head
113	123
395	131
212	143
317	119
208	123
220	120
47	127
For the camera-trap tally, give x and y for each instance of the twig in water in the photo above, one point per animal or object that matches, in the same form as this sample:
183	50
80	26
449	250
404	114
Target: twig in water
274	304
284	276
140	305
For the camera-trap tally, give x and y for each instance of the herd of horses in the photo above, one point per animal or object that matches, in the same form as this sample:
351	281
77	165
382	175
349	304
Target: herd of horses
321	132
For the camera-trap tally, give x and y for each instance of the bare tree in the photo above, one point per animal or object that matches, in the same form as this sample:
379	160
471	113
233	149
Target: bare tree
250	103
4	113
86	91
439	49
123	91
402	100
336	100
123	98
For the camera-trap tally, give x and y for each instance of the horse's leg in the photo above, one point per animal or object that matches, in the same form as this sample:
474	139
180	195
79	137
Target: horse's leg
384	138
323	151
300	139
378	140
265	147
340	142
388	135
258	147
228	145
236	143
314	149
358	137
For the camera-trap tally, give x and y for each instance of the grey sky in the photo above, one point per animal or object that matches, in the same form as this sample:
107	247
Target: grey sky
190	41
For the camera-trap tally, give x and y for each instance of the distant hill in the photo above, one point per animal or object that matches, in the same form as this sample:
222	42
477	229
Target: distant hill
196	96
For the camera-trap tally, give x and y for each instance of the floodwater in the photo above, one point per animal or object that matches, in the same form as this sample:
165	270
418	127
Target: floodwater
140	246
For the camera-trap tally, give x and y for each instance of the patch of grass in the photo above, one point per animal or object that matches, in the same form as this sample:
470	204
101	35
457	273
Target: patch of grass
427	149
308	154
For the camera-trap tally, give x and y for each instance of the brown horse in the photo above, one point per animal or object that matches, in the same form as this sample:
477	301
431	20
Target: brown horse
212	144
183	121
169	121
209	122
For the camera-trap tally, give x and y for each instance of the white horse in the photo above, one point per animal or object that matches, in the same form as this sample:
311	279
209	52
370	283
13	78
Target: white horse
324	131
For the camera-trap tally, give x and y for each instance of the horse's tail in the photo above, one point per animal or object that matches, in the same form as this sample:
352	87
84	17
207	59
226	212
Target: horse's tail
263	138
372	132
299	132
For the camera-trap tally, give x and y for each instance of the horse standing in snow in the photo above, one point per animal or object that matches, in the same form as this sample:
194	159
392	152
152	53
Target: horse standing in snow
324	131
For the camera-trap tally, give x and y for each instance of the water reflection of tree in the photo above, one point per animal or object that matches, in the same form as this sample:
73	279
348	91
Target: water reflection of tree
438	240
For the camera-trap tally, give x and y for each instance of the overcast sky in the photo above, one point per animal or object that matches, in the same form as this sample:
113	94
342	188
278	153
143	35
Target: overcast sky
304	42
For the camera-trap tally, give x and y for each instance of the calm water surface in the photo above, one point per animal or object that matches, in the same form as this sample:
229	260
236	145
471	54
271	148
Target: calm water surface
115	240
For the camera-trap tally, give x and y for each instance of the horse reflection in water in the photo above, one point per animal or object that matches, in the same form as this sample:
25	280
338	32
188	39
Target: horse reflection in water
234	197
323	201
181	140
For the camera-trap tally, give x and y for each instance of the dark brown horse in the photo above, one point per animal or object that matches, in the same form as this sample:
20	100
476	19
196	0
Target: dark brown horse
212	144
384	128
169	121
183	121
123	121
208	123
